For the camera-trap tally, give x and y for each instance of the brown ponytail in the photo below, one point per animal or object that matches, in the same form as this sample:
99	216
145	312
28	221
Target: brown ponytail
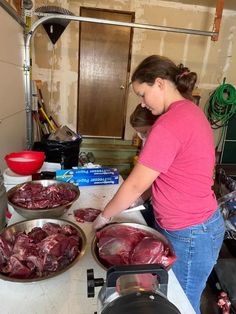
185	81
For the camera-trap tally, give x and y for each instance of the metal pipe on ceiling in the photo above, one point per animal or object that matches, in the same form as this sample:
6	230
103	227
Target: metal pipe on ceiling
46	17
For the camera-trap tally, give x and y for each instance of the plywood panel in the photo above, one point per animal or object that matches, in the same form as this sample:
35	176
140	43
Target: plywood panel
11	39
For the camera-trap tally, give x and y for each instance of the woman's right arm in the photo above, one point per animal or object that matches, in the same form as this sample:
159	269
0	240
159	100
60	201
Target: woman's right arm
139	180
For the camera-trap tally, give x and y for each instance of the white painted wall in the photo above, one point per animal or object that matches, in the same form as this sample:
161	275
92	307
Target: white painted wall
12	100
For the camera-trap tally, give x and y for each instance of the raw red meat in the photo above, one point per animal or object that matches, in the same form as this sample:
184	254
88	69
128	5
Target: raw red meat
119	245
86	214
55	245
37	234
71	250
116	243
68	230
128	232
224	303
18	269
34	196
25	250
147	251
22	241
115	251
168	258
5	250
41	251
51	228
50	263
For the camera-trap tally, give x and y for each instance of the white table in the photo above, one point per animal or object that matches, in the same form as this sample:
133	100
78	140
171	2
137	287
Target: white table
67	293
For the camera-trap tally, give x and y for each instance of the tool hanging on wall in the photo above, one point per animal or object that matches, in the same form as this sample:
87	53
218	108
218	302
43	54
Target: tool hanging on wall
47	123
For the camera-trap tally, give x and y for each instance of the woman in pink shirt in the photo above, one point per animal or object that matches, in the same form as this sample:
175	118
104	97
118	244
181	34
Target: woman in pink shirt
177	162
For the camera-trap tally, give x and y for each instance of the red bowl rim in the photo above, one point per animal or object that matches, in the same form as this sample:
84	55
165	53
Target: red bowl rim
32	155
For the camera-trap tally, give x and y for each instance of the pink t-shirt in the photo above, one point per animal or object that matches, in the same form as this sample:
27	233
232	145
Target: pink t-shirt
180	146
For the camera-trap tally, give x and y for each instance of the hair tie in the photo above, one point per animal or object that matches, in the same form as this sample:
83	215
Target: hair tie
182	75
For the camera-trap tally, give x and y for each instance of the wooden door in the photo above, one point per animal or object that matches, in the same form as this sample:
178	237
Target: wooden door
104	59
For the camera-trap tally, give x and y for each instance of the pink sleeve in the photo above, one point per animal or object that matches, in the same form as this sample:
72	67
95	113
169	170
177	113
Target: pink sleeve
160	149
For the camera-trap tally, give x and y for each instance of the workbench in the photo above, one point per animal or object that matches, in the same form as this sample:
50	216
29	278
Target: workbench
67	292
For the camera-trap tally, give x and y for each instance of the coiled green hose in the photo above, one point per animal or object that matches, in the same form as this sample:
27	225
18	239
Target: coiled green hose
221	106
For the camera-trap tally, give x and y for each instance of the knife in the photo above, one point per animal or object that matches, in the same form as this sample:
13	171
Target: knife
134	209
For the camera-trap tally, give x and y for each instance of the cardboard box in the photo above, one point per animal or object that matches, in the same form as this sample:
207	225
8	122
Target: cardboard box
88	181
89	176
87	172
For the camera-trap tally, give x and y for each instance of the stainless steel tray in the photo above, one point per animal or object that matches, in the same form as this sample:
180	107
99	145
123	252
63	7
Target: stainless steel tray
45	212
27	226
153	232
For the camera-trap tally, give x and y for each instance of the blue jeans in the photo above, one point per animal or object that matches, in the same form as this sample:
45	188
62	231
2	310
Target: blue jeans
197	249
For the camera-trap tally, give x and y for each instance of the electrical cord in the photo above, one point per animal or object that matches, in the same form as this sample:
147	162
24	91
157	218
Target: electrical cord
221	106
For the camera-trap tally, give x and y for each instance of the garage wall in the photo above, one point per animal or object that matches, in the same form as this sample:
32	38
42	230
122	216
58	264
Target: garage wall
12	102
57	66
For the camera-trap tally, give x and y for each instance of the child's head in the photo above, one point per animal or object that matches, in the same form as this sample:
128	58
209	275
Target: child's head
141	120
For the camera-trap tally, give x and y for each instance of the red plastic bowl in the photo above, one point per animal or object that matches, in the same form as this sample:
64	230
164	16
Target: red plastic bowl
25	162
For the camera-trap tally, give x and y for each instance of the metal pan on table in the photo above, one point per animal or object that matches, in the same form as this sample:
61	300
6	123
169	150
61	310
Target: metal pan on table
157	235
33	213
27	226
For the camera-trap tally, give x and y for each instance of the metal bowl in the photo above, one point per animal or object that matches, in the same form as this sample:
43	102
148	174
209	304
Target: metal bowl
153	232
27	226
55	212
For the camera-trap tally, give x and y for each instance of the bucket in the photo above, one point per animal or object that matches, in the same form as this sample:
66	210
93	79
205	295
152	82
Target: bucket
3	205
11	179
